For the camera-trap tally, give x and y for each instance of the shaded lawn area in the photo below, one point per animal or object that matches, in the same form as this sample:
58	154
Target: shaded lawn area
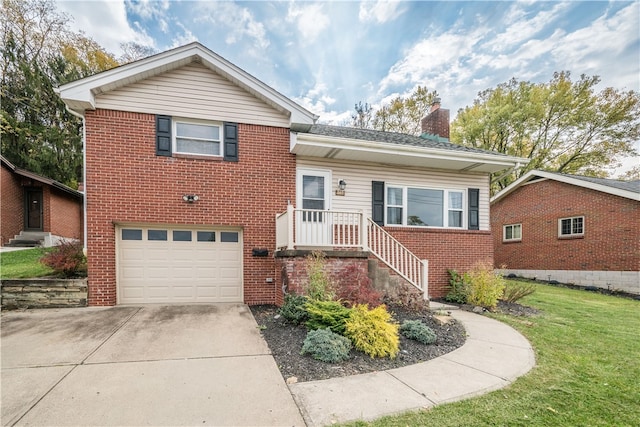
587	349
23	264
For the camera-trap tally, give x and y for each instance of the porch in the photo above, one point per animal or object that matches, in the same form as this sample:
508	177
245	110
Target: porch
336	230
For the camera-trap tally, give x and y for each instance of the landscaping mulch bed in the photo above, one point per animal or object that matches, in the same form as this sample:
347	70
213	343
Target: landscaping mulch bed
285	342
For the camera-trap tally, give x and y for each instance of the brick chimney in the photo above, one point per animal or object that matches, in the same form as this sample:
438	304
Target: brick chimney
437	121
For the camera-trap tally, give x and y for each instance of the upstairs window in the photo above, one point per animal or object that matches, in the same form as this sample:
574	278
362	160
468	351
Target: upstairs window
512	233
197	138
571	227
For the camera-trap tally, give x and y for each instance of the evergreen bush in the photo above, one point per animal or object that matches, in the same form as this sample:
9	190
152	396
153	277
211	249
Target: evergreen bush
293	308
326	346
418	331
372	331
326	314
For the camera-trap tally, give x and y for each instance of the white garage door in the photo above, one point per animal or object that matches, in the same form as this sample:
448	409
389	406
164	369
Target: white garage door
178	265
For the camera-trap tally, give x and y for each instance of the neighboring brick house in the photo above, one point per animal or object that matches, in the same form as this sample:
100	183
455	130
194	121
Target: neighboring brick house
36	209
572	229
203	184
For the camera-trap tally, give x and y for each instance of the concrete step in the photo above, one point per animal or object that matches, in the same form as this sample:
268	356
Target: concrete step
23	243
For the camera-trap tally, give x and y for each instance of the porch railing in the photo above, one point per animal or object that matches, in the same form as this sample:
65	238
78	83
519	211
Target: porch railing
307	228
401	260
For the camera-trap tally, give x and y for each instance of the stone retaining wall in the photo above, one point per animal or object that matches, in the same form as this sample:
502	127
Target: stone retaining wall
43	293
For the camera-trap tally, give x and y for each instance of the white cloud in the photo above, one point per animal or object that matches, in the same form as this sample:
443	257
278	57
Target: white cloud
239	23
184	38
309	19
380	11
521	27
105	22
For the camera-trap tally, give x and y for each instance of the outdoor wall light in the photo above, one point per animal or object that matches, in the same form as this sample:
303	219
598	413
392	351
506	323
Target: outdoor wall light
190	198
342	184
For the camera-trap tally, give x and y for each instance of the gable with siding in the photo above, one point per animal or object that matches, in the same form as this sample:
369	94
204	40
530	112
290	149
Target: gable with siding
192	91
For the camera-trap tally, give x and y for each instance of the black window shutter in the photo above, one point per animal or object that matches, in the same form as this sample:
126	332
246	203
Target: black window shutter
377	199
163	135
230	142
474	209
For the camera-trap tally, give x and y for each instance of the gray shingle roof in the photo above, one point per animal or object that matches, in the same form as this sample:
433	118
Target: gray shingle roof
633	186
390	138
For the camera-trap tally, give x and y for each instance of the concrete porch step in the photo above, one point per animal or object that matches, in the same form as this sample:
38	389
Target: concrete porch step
29	239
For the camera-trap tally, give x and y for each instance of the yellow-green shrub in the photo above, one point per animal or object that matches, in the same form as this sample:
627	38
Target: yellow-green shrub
326	314
372	331
485	286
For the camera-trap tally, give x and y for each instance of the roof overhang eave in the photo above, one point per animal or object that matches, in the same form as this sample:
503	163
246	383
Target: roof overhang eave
306	143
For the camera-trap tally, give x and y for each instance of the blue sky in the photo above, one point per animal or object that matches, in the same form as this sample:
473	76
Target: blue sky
329	55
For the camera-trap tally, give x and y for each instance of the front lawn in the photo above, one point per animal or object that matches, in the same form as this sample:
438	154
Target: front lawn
587	349
23	264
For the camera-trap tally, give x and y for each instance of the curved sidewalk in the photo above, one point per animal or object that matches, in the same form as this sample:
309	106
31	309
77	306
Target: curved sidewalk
493	356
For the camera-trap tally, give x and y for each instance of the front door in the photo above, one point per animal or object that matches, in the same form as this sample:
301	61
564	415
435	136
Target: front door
33	210
313	224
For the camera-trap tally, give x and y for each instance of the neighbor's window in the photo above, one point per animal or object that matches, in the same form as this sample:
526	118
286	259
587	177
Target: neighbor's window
512	233
424	207
568	227
197	138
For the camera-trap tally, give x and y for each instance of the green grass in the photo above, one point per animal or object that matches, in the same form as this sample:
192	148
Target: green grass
587	370
23	264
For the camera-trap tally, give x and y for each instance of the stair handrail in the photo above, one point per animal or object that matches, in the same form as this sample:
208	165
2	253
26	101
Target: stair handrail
398	257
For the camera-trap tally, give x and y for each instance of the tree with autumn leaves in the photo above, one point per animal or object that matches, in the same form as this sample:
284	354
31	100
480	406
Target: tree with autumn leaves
563	125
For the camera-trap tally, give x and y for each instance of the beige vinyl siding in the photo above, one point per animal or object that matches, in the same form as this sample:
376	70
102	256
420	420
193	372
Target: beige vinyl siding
360	175
196	92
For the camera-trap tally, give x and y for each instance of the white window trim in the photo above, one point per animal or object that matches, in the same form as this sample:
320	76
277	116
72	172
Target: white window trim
572	234
174	134
445	207
512	239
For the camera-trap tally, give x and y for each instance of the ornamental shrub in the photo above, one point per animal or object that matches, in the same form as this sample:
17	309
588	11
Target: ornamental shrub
485	286
513	291
355	287
319	286
418	331
293	308
67	259
459	287
326	314
372	331
326	346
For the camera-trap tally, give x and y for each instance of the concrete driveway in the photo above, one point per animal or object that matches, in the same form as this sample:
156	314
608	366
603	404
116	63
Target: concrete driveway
151	365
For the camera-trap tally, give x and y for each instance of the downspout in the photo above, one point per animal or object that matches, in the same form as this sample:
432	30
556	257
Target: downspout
511	169
84	177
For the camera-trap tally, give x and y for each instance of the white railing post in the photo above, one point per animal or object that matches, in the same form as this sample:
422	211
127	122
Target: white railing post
290	228
364	232
425	279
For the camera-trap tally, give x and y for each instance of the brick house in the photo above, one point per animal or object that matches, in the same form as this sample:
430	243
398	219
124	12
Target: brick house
203	184
572	229
36	209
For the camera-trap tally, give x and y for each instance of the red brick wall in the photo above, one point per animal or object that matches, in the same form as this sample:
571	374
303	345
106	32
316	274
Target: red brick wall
12	211
127	182
611	229
293	271
65	214
445	249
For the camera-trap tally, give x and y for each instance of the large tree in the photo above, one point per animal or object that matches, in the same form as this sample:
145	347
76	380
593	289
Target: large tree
562	126
39	54
405	115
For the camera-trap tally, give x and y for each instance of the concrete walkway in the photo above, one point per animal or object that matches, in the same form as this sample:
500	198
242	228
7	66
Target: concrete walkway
493	356
208	365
